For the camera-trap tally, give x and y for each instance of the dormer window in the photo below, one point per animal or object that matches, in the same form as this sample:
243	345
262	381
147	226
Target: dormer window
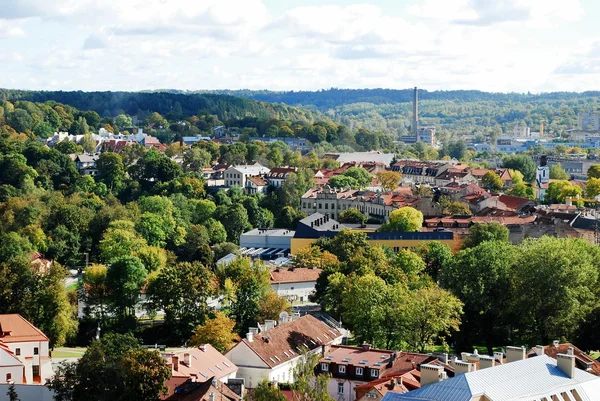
342	369
374	372
325	367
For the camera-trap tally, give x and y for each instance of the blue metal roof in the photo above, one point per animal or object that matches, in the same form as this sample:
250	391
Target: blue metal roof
455	389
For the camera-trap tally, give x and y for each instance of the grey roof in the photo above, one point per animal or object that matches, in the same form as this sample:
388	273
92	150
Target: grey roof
252	169
321	222
529	379
266	232
364	157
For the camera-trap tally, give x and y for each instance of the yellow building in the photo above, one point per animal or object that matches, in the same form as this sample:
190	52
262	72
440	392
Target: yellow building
315	226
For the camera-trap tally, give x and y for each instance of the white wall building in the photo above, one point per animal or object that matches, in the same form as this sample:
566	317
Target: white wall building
24	353
271	352
296	285
237	175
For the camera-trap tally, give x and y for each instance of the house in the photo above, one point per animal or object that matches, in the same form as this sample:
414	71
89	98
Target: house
377	389
211	390
271	351
238	175
539	378
582	360
86	164
294	284
277	176
363	367
24	352
361	157
197	365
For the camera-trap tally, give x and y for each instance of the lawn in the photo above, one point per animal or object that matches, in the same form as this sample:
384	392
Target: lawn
65	352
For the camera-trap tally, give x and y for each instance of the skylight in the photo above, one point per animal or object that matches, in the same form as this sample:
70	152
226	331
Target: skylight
364	361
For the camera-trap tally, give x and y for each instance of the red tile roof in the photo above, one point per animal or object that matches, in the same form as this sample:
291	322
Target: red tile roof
15	328
297	275
258	181
513	202
205	362
289	338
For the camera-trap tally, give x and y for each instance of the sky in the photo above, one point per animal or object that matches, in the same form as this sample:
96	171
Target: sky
491	45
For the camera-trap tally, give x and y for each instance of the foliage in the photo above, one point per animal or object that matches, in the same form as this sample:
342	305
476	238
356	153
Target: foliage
558	173
522	163
592	187
481	232
217	331
492	181
594	171
558	191
12	393
389	180
306	387
405	219
266	391
125	277
114	367
352	216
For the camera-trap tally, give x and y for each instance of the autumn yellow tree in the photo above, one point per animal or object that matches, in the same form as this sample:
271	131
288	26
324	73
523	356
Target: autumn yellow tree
389	180
218	332
271	305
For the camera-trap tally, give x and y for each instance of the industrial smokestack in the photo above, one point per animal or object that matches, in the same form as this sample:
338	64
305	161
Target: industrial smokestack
415	112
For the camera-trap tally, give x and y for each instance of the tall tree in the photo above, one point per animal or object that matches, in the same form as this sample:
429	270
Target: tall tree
405	219
125	278
389	180
306	387
482	232
492	181
217	331
557	172
111	170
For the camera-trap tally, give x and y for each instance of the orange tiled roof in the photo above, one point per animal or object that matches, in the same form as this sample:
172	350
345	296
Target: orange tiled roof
298	275
15	328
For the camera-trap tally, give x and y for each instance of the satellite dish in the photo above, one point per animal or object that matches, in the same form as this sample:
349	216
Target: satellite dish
284	315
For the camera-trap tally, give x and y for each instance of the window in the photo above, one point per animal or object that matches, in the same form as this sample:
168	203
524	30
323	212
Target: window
342	368
327	206
359	371
374	372
36	371
18	351
8	377
36	351
325	367
371	395
320	206
340	388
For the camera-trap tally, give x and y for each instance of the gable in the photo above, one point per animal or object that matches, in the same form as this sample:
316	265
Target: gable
242	355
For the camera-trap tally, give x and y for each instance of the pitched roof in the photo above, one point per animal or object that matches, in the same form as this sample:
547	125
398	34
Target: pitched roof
284	342
258	181
528	379
193	391
297	275
583	360
205	363
513	202
400	383
15	328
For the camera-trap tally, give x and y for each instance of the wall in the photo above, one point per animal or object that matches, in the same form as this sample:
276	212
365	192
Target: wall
349	393
299	290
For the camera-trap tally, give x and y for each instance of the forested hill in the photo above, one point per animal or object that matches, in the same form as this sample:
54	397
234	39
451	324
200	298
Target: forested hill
165	103
331	98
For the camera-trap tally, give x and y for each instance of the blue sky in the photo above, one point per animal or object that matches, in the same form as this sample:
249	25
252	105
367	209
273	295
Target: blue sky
508	45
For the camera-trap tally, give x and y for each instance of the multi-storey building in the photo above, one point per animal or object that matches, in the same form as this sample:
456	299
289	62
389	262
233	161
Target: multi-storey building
589	120
24	353
238	175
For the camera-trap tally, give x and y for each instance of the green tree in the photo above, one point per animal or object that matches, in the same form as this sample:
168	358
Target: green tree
342	181
114	367
13	396
481	232
492	181
433	312
235	220
111	169
67	147
252	284
20	120
481	277
405	219
389	180
125	278
217	331
195	159
306	386
43	130
558	173
522	163
558	191
594	171
266	391
592	187
436	256
216	231
352	216
555	282
88	143
182	292
120	240
362	176
123	121
96	290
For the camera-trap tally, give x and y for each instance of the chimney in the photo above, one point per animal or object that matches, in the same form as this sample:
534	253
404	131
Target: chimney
269	324
175	360
555	343
366	347
570	351
566	363
463	367
325	349
515	354
486	361
211	396
430	374
415	112
499	357
186	360
202	347
539	350
249	337
569	200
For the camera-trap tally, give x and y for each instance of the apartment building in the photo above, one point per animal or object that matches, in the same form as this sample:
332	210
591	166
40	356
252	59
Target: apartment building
238	175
